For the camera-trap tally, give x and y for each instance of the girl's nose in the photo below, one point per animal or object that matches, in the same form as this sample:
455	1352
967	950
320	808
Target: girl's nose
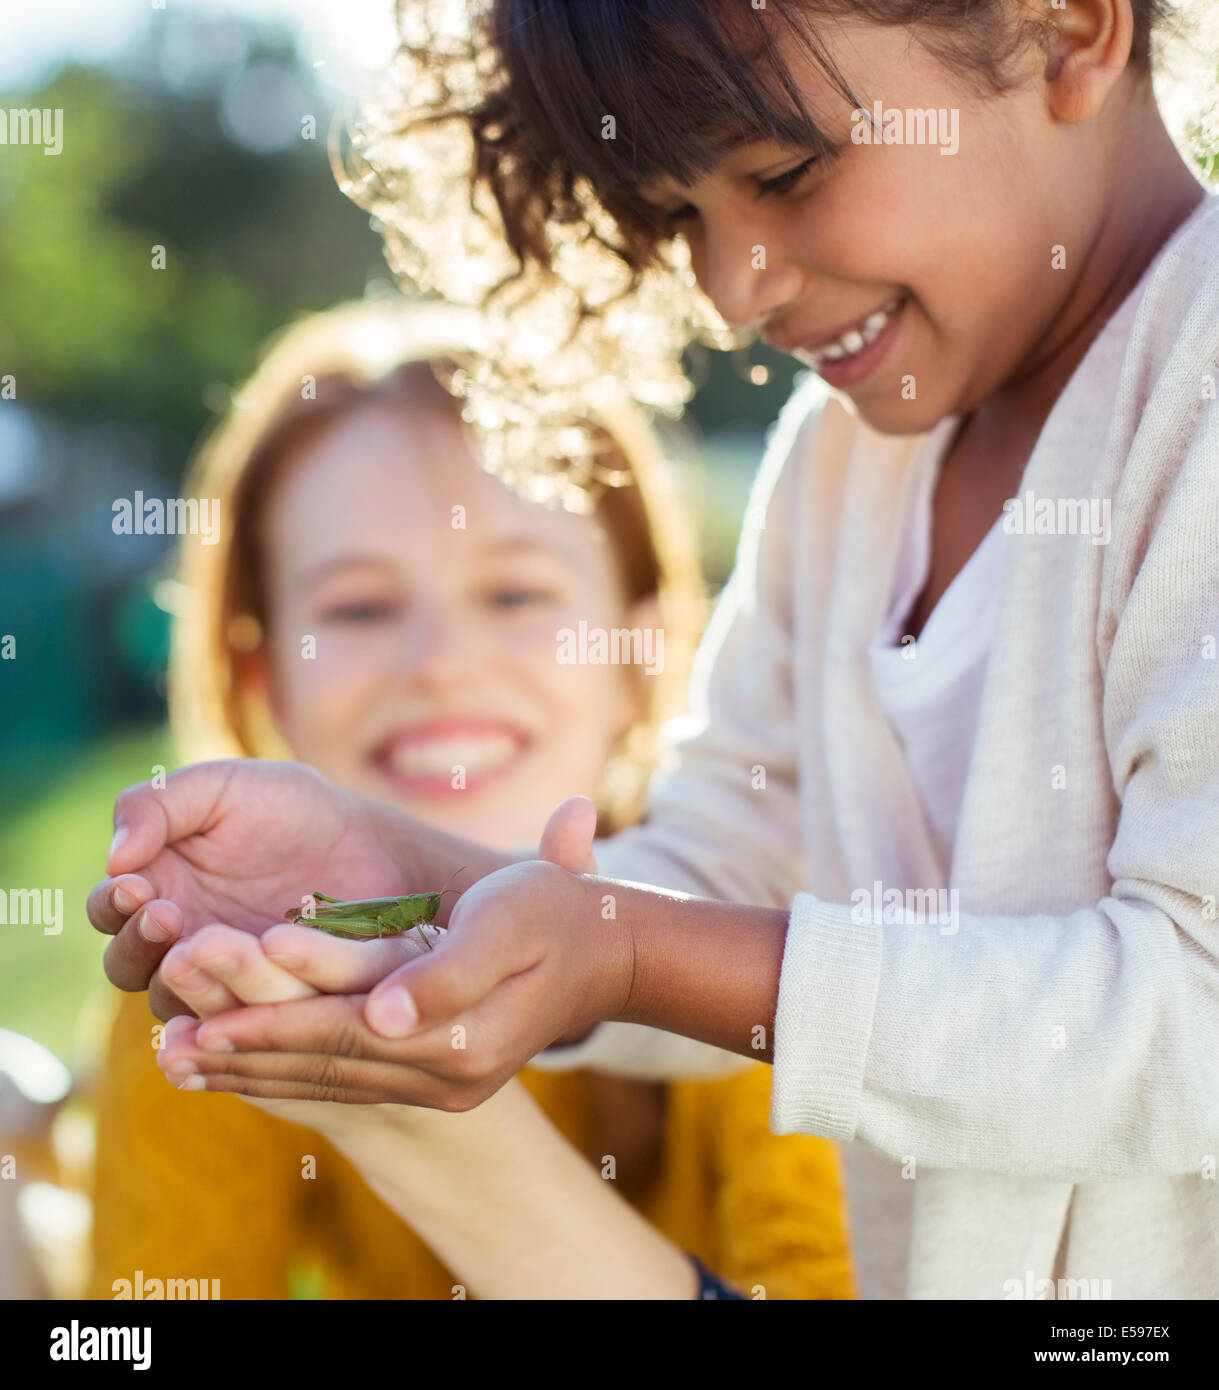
744	273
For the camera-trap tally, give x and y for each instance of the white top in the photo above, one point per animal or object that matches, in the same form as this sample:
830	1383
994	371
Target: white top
931	689
1042	1082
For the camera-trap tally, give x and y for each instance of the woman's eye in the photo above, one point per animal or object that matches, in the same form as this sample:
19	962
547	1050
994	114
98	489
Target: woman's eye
785	182
518	598
360	612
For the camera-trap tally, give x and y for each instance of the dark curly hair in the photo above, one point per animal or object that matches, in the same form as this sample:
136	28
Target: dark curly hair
490	168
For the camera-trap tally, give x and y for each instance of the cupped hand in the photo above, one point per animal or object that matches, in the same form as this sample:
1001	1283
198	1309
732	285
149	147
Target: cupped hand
516	968
219	968
237	842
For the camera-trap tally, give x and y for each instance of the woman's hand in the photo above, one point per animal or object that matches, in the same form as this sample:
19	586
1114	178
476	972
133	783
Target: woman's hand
240	842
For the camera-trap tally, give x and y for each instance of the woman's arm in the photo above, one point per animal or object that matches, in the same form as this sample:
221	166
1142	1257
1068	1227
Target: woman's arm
499	1195
505	1201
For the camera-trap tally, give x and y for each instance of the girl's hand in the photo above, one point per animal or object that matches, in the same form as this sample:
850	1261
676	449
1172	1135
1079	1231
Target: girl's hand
237	842
529	955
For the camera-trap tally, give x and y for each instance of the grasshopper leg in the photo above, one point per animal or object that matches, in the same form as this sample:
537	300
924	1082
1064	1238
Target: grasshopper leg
423	936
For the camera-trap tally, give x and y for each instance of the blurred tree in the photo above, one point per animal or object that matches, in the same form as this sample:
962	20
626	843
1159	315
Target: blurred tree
254	229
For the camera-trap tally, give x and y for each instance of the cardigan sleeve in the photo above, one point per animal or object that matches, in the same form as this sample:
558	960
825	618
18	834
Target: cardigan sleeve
722	818
1071	1047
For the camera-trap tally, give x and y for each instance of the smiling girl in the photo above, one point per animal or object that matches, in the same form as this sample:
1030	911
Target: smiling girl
383	609
905	692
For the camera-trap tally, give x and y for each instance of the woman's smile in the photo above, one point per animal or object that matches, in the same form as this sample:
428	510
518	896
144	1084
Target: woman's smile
439	757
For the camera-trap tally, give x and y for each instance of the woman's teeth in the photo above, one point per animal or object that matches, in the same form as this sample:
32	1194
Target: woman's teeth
438	757
854	339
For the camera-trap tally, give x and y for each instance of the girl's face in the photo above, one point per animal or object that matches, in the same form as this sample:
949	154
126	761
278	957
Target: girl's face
413	605
941	254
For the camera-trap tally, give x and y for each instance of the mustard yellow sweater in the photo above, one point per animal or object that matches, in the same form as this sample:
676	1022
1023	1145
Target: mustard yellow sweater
208	1187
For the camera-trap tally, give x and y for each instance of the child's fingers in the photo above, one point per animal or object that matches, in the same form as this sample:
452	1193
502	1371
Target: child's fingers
327	1076
458	974
163	1002
327	1027
288	1092
335	966
140	944
113	901
236	960
196	988
567	839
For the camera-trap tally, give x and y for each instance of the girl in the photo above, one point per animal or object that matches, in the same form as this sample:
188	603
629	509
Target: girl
949	807
381	608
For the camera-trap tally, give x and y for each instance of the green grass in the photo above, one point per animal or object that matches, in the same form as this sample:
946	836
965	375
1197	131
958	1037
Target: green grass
55	836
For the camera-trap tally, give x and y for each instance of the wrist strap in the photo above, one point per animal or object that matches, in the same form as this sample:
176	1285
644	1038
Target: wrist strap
709	1286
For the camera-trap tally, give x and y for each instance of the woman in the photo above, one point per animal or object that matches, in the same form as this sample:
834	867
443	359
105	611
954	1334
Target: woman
380	607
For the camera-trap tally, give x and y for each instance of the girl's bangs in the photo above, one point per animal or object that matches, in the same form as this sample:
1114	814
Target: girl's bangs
629	92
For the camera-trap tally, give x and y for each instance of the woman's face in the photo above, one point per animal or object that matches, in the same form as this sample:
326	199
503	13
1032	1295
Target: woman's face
414	604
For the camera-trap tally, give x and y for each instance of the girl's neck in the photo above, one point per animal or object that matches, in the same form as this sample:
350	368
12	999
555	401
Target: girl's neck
1152	195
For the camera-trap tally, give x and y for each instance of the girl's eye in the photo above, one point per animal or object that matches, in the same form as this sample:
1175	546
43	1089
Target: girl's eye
673	220
360	613
785	182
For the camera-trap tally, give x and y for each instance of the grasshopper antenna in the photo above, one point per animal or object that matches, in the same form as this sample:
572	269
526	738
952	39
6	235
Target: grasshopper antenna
452	876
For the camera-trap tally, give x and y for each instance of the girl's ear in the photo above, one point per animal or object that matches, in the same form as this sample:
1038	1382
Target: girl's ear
1089	52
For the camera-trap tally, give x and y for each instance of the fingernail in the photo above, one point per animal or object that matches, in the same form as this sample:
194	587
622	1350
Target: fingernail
220	965
180	1069
119	836
124	901
193	1083
394	1014
213	1042
152	930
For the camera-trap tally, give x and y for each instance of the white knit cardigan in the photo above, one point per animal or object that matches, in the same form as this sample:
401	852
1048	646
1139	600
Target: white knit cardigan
1036	1084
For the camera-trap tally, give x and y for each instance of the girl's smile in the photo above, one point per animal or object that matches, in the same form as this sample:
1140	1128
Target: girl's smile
848	357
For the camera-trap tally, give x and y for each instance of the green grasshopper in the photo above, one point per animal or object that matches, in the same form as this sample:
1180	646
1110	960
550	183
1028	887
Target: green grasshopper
362	919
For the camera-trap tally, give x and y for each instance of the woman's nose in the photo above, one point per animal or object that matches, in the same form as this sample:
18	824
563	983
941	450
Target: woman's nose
436	645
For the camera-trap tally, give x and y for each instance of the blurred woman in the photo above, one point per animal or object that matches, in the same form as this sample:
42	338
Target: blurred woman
381	607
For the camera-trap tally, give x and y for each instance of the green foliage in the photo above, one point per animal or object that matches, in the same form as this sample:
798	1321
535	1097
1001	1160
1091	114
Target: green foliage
89	327
55	836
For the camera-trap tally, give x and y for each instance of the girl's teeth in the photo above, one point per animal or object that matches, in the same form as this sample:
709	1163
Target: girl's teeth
856	339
